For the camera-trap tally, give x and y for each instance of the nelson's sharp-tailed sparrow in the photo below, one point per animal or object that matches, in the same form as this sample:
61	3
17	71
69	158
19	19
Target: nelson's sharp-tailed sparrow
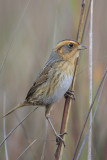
54	79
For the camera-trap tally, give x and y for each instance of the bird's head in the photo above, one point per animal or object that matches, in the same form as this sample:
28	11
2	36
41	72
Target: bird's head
68	49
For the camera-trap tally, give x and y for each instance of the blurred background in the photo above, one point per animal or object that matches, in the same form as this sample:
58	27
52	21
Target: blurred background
29	29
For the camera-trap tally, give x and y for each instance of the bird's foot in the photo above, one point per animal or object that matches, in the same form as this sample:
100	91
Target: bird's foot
70	94
59	138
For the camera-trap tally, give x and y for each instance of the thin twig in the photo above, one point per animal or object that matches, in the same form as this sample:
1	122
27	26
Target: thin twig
17	126
37	139
26	135
78	142
45	136
90	79
94	63
23	127
86	137
82	21
66	112
86	18
26	149
4	125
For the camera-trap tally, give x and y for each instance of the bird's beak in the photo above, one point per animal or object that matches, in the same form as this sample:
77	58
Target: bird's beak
81	47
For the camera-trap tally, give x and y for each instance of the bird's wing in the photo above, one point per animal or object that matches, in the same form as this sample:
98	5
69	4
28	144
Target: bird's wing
43	76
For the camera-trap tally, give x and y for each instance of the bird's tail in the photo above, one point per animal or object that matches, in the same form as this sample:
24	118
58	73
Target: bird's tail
16	107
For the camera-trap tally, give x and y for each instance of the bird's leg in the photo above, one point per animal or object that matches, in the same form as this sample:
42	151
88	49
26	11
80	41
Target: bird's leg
70	94
58	136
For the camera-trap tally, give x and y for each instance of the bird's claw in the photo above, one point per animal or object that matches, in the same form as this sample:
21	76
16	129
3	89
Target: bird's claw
62	134
60	139
70	94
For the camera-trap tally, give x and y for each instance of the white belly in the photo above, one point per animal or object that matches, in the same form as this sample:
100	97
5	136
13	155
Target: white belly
61	89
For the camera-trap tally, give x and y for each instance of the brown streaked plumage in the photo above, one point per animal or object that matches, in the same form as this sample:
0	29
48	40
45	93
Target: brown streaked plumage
55	78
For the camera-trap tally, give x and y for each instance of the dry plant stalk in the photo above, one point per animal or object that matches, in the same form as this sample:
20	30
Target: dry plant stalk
68	101
88	114
89	155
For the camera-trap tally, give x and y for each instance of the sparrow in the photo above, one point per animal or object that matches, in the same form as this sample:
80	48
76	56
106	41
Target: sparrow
54	80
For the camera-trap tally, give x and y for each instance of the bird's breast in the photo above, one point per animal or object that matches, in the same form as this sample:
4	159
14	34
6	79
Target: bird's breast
62	87
60	82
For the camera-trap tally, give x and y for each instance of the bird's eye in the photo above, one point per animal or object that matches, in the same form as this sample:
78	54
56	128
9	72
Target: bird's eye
70	45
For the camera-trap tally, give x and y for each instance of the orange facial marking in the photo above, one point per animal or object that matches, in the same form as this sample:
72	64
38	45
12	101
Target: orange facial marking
68	56
60	44
60	51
